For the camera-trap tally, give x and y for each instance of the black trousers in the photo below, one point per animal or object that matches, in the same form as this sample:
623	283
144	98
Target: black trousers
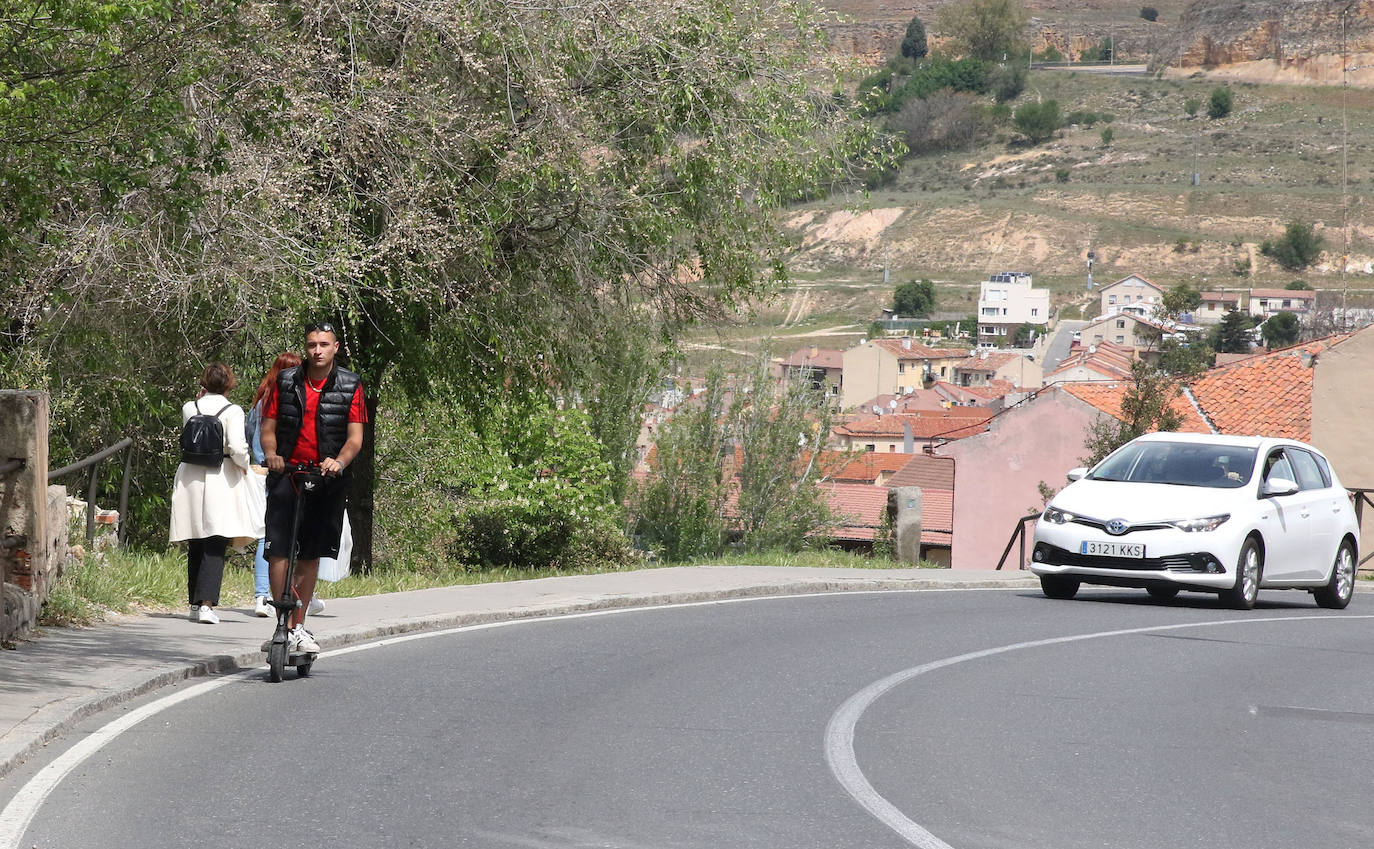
205	569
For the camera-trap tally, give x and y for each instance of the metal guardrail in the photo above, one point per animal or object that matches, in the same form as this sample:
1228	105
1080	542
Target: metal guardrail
1018	533
93	464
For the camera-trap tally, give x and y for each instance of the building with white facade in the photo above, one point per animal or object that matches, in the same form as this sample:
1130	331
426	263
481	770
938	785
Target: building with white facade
1006	301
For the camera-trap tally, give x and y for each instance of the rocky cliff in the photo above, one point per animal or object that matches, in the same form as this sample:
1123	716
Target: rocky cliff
1290	40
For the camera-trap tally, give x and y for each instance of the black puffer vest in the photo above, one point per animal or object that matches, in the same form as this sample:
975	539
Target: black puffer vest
331	417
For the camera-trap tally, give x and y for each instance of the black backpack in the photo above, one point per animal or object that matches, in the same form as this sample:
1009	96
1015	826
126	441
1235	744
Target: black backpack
202	438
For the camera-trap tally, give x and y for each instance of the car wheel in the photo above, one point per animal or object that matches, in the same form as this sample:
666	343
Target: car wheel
1249	569
1058	586
1336	594
1162	593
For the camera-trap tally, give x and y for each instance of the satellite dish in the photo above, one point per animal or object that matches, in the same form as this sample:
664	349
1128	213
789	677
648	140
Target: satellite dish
877	411
892	404
1092	349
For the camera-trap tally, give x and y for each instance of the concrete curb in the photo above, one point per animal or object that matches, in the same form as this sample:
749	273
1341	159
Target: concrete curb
59	717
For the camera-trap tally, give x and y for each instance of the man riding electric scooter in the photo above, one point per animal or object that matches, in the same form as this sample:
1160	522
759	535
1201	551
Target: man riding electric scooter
314	420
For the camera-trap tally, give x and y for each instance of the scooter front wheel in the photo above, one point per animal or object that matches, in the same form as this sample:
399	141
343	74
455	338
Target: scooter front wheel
276	662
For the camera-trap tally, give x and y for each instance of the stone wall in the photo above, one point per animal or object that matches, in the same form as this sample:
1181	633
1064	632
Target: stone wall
33	541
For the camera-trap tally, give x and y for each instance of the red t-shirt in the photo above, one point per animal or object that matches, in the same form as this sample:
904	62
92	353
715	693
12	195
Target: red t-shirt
307	446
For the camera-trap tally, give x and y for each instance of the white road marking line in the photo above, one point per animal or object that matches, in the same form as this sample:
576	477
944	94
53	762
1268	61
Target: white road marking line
19	813
839	732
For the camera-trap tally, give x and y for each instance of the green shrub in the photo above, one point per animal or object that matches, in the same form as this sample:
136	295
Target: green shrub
1061	175
1107	137
1038	122
1191	106
1298	248
1149	13
1220	103
525	488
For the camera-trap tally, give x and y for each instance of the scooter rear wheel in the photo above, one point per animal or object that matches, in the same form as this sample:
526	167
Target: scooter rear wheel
276	662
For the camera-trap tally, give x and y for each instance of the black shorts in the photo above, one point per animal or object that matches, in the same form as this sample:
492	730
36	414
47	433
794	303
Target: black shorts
322	515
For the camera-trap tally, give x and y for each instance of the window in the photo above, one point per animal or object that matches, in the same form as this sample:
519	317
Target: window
1287	303
1035	311
1004	310
1120	340
1120	324
1111	299
870	447
892	448
1277	466
1309	473
943	370
901	368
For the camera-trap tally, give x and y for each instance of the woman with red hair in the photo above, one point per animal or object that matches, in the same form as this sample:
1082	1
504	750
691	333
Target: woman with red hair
262	589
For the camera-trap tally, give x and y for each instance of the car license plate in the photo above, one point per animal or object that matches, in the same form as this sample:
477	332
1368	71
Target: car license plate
1114	549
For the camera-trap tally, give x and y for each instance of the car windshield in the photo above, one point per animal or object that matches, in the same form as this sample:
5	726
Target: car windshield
1179	463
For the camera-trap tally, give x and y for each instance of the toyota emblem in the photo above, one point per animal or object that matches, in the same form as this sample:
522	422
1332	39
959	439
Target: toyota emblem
1117	527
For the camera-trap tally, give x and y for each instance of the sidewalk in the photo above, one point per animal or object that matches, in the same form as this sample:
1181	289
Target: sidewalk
53	682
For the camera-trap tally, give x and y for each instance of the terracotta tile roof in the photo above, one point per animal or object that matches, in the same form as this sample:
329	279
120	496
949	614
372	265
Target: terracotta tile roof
954	423
917	351
928	471
1301	294
1107	398
865	467
1128	277
937	516
1106	358
921	399
824	358
990	391
990	361
1265	395
857	507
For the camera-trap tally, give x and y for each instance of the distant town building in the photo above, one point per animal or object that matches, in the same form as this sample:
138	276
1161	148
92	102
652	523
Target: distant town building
1215	305
894	367
821	367
1267	302
1133	294
1006	301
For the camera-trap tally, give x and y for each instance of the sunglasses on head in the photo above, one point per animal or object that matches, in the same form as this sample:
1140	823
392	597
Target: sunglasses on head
321	327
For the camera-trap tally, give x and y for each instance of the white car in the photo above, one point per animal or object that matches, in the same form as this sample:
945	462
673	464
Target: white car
1222	514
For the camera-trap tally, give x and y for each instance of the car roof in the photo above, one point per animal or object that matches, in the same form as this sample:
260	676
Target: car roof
1220	439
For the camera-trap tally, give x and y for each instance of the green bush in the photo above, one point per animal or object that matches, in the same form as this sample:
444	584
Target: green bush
914	43
1006	82
1191	106
1061	175
524	488
1220	103
1298	248
1149	13
1038	122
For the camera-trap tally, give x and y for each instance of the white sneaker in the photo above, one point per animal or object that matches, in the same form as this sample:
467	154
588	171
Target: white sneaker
206	616
302	642
316	606
263	607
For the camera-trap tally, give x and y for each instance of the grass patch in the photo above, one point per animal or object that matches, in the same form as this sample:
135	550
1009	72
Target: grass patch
135	581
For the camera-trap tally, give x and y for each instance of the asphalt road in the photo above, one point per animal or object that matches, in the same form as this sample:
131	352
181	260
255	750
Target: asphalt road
977	719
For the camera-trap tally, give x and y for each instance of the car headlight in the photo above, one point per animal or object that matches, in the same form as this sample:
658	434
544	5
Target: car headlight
1057	516
1211	523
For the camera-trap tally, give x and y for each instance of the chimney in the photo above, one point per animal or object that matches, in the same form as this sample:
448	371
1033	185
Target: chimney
906	343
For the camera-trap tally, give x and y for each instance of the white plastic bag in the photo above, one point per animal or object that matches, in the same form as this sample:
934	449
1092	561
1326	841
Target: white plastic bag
336	568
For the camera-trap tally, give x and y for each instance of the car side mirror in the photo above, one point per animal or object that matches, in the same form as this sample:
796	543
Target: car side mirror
1077	474
1278	486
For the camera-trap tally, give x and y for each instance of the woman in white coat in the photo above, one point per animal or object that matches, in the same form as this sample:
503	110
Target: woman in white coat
214	506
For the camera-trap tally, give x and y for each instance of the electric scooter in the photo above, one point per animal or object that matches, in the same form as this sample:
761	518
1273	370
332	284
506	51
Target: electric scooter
306	480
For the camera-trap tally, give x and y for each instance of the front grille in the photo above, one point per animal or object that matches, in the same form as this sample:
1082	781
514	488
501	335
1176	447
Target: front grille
1173	563
1130	529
